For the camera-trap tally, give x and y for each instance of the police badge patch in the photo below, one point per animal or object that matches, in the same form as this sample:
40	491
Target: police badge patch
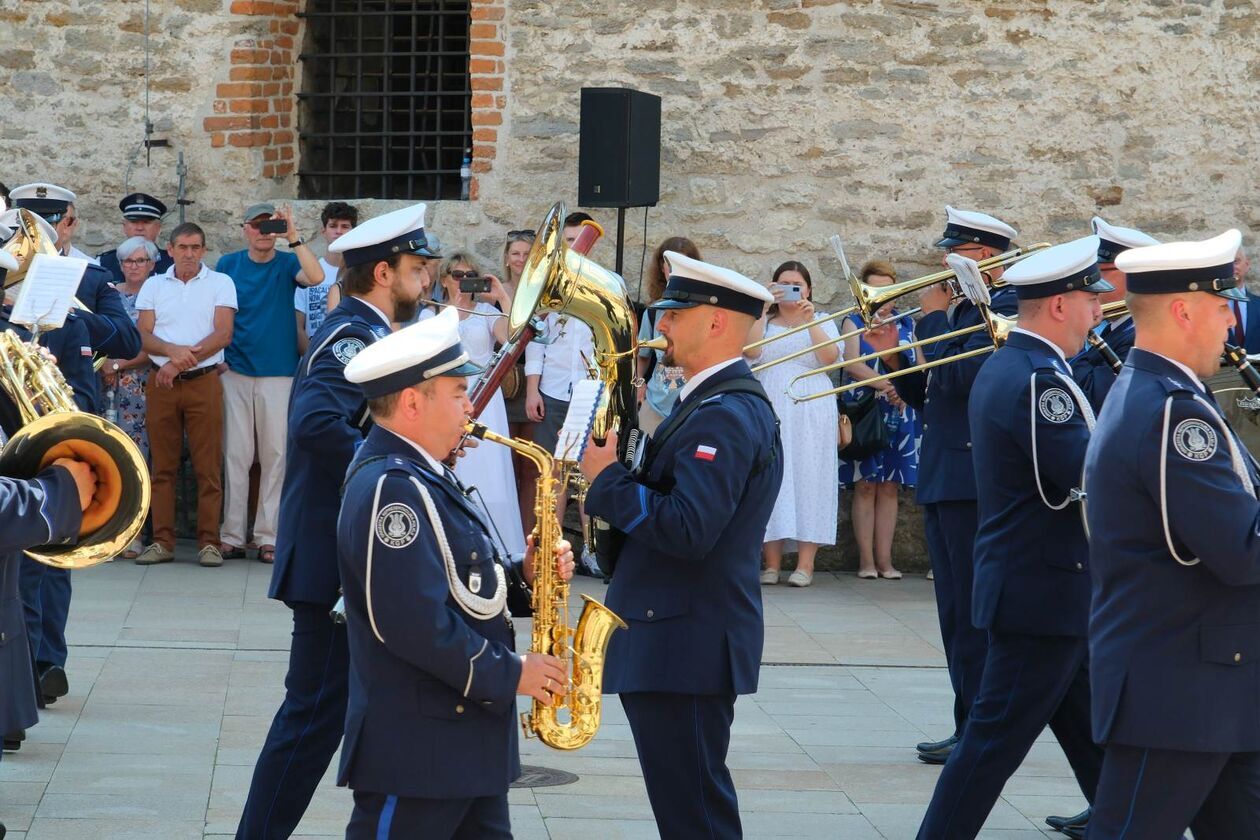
347	349
397	525
1194	440
1056	406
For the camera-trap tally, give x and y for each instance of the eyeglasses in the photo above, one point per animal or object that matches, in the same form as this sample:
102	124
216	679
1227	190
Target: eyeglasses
521	234
137	262
460	275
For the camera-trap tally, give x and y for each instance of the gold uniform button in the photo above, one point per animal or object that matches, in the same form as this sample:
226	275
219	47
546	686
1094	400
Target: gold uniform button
459	710
1080	566
1238	657
651	613
968	444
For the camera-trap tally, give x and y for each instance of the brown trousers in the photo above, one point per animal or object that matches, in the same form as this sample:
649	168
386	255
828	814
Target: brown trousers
195	406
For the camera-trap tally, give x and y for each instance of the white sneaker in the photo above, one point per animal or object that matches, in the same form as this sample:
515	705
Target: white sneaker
801	579
770	577
155	553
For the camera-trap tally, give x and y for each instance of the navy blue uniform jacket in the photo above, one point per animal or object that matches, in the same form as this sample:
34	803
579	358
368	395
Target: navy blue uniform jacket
71	346
328	420
110	329
43	510
432	710
1174	525
1031	557
940	395
687	579
1092	372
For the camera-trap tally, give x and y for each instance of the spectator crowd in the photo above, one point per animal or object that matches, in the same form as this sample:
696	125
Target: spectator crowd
220	346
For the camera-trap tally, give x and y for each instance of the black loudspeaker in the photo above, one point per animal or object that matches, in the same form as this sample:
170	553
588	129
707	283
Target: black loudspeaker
619	153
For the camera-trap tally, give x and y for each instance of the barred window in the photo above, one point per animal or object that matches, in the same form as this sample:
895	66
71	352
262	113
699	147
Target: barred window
385	99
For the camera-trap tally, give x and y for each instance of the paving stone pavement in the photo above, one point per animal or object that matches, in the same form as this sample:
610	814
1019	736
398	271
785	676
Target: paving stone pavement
175	672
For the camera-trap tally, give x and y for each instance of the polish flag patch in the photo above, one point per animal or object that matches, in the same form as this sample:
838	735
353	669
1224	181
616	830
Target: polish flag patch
85	351
706	453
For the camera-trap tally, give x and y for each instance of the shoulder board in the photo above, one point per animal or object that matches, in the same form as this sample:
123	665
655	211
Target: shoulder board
716	398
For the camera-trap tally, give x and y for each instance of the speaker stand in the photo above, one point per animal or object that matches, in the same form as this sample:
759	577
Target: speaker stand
621	238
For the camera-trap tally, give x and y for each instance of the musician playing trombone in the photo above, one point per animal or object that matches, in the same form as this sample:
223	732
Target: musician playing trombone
1030	424
947	480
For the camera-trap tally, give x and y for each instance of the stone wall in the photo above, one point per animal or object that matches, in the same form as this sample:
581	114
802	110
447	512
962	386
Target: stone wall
784	121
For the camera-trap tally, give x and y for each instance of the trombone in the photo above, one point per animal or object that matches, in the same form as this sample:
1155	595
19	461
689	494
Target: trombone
870	299
999	327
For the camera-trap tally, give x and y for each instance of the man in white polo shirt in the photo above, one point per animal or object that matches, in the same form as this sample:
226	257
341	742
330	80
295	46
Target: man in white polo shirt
185	321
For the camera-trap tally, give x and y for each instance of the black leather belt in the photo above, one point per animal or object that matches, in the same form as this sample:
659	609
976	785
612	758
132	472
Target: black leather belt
195	372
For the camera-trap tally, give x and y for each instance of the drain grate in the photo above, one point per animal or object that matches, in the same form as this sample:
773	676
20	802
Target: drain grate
532	777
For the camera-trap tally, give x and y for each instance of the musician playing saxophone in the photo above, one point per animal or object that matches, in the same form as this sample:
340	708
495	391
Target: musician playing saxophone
430	742
688	578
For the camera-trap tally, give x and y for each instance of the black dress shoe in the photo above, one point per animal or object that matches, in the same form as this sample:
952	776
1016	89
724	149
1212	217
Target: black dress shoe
3	831
934	758
53	683
1075	832
937	746
13	740
1077	821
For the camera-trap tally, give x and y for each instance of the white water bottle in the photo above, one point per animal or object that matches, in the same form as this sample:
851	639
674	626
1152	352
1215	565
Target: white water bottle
465	175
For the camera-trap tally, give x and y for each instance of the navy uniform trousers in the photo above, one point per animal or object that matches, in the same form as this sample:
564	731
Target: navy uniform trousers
1028	681
689	738
380	817
306	730
1147	793
950	531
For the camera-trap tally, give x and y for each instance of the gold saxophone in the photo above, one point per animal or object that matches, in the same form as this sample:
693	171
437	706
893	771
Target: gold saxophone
581	649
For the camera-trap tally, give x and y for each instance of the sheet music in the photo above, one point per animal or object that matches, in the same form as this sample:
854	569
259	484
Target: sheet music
48	291
583	404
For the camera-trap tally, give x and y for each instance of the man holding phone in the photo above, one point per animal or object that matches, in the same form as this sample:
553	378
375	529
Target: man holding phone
261	360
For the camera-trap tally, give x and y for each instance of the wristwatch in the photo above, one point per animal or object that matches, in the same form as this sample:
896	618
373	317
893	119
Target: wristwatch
296	244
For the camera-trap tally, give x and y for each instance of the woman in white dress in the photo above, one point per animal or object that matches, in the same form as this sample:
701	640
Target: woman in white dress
488	467
809	497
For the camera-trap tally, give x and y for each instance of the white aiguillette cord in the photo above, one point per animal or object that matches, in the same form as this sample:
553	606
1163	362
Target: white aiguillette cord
476	606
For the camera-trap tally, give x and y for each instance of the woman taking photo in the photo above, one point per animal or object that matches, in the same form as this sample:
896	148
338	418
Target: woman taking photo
808	499
487	467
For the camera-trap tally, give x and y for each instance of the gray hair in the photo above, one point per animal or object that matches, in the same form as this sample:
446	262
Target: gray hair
129	246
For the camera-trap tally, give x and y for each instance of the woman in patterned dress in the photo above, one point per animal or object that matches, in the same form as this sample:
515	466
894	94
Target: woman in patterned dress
876	479
123	380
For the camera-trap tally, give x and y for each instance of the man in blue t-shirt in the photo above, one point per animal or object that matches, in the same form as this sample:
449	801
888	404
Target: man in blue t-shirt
261	361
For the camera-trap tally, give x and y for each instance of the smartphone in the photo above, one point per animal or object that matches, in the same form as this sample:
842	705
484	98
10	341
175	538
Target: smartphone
790	293
474	284
272	226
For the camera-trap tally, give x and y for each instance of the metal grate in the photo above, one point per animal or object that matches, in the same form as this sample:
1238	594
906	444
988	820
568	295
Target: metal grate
385	99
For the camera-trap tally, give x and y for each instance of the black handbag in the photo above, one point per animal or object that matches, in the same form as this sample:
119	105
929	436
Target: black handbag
869	433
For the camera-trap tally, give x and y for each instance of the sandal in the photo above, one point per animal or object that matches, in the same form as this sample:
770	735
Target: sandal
231	552
266	554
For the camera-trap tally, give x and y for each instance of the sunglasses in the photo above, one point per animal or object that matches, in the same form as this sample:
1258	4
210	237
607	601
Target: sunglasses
521	234
459	274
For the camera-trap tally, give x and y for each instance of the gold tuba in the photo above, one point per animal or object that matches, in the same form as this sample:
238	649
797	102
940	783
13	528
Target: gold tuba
581	649
558	279
52	427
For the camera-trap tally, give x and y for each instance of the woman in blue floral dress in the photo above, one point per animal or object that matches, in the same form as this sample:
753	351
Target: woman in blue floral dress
123	380
876	480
